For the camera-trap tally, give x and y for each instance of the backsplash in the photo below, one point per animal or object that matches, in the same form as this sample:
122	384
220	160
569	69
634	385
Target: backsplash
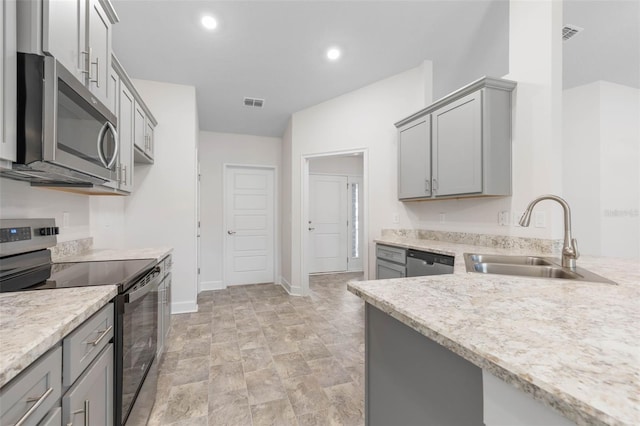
485	240
71	248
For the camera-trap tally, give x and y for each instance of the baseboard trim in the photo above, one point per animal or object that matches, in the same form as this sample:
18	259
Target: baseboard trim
292	290
211	285
183	307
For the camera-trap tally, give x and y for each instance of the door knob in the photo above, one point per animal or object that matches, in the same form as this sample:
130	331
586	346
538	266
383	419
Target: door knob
311	229
231	232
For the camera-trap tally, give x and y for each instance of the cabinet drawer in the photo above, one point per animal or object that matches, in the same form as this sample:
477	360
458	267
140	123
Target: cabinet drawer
31	395
85	343
392	254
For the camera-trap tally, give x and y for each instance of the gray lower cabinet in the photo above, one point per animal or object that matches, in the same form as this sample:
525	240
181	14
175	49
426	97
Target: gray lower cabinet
460	146
390	262
54	418
90	400
412	380
29	397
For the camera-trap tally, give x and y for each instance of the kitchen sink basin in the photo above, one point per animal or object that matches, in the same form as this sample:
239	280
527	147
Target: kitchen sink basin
510	260
527	266
541	271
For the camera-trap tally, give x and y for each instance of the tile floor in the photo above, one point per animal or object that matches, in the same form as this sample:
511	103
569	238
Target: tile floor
253	355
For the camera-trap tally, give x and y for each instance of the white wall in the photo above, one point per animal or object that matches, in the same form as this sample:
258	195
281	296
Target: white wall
162	210
19	200
286	208
362	119
217	149
601	167
348	166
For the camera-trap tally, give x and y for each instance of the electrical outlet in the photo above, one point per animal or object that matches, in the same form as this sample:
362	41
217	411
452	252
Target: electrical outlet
396	218
65	219
540	219
442	217
503	218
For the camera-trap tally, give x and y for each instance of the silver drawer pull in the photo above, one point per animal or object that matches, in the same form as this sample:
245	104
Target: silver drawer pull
102	336
39	400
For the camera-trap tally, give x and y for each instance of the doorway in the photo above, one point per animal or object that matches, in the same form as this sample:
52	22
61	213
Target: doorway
249	225
335	213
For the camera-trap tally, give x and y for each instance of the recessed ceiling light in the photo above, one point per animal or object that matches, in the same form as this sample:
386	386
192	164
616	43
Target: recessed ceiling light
209	22
333	54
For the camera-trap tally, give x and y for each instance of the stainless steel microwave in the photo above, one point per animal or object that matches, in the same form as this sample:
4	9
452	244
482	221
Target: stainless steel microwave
65	135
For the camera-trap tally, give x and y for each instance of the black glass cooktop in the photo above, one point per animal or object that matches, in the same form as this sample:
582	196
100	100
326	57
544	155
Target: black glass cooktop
122	273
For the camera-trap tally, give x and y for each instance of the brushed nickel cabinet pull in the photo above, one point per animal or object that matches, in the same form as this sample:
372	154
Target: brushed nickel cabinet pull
102	336
38	402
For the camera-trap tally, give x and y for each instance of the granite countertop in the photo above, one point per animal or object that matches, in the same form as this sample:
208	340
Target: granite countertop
32	322
575	346
157	253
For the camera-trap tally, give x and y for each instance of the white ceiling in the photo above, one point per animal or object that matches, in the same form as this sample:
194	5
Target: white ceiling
276	50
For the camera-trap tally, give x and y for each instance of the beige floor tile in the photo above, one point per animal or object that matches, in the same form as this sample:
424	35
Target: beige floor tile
311	345
306	394
313	348
256	359
229	409
276	413
187	402
329	372
225	378
291	365
264	386
225	352
191	370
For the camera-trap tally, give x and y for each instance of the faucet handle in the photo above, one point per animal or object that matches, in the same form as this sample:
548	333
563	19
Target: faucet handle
574	246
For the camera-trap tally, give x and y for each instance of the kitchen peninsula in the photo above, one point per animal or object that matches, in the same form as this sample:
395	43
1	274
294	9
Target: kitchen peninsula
570	345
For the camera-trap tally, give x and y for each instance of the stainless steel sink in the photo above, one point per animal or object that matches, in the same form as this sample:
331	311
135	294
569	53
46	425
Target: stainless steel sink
509	260
527	266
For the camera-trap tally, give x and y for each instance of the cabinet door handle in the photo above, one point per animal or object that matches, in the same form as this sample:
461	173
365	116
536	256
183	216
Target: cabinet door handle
86	68
85	411
435	184
427	185
39	400
102	336
124	173
97	64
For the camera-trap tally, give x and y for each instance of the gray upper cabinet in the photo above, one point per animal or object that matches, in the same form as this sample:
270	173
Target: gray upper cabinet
8	66
468	145
76	32
414	159
457	147
143	141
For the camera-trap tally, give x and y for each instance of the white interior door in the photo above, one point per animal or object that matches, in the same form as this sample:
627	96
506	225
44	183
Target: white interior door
328	223
249	219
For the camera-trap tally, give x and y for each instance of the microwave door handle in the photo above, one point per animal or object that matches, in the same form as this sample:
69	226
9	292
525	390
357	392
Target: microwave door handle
114	132
100	142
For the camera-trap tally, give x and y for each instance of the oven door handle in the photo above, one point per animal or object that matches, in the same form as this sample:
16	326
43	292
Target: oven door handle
141	292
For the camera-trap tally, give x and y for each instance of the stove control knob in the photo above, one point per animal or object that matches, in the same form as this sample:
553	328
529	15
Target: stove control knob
50	231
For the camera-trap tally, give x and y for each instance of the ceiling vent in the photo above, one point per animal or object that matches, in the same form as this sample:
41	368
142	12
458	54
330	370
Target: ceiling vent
569	31
253	102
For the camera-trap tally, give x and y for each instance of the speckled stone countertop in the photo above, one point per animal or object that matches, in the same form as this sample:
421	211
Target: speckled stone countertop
574	346
32	322
117	254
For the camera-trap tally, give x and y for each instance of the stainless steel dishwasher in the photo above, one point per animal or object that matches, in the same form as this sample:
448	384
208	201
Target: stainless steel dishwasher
420	263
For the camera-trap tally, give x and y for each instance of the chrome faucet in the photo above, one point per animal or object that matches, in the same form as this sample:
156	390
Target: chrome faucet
570	246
